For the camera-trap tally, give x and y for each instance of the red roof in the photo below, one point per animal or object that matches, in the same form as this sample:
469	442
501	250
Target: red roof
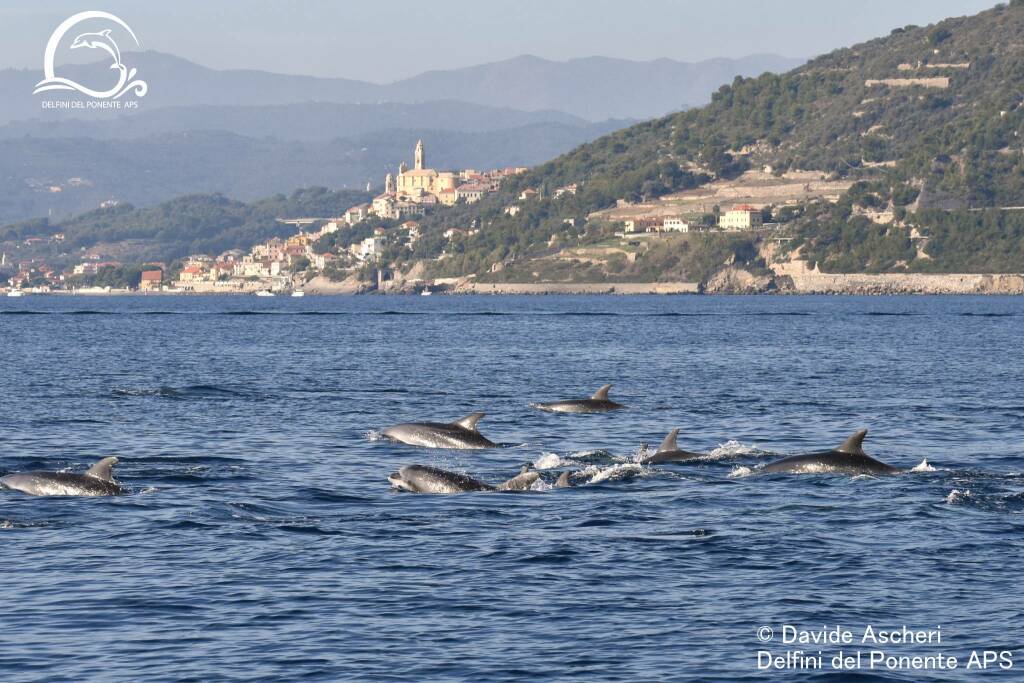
744	207
152	276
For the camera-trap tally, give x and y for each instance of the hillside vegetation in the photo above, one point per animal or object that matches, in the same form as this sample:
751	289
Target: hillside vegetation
194	224
929	118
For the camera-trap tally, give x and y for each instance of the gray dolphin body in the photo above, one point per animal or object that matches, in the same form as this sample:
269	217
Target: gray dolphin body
668	451
598	403
461	434
425	479
849	458
97	481
564	480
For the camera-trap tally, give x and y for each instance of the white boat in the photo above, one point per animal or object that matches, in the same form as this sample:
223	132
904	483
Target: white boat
15	292
426	292
264	292
298	292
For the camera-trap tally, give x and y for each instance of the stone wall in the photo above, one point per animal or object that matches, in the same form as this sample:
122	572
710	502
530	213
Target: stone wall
905	283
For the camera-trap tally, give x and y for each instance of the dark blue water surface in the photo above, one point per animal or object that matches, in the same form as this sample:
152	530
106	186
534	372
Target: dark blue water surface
261	541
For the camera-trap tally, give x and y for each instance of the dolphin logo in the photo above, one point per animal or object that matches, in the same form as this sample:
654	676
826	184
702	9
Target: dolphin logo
99	40
102	41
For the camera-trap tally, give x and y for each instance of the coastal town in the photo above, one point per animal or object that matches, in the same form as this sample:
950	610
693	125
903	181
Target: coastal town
284	264
329	248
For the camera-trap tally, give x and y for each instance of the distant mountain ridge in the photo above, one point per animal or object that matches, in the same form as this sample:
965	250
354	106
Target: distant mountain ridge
306	121
251	133
150	169
593	88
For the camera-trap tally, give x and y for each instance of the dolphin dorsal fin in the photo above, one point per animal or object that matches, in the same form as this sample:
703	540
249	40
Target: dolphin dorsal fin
105	32
669	444
469	422
602	393
102	469
564	480
852	446
521	482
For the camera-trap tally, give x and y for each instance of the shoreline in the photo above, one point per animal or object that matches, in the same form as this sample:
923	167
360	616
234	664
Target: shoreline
735	282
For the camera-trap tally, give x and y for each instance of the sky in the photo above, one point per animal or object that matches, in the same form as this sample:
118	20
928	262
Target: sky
382	41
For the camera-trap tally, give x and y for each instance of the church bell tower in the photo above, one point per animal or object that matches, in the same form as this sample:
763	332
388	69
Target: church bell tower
419	158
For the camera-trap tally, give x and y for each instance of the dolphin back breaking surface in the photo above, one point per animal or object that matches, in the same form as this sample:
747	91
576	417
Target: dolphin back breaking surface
849	458
426	479
98	480
461	434
598	403
669	451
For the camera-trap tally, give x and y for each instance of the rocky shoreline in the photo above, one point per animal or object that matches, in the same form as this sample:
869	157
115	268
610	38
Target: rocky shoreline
728	281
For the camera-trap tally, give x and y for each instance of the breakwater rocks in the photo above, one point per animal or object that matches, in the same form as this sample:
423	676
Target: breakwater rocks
902	283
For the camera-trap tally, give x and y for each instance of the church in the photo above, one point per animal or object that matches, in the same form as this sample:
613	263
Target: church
412	191
420	180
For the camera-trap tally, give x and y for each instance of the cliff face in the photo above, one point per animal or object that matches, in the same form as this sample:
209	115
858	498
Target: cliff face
736	280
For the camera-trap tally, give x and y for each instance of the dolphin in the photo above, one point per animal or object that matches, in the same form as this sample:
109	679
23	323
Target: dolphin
564	480
521	482
461	434
849	458
668	451
425	479
103	41
98	480
598	403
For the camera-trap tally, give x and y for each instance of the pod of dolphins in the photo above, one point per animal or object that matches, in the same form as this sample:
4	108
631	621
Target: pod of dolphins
849	459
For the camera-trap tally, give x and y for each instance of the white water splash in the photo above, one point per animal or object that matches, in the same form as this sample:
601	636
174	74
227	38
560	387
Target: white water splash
591	454
923	466
547	461
374	435
957	496
731	449
740	471
541	485
599	474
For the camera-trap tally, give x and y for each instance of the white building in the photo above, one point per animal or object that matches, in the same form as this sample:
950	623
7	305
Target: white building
741	218
470	192
357	213
675	225
369	249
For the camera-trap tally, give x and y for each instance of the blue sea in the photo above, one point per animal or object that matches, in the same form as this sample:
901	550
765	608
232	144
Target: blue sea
260	539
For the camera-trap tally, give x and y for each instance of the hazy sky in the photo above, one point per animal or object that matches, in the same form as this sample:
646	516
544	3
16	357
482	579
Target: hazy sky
383	40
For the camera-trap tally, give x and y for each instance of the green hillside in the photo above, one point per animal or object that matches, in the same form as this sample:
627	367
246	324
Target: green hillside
194	224
941	138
